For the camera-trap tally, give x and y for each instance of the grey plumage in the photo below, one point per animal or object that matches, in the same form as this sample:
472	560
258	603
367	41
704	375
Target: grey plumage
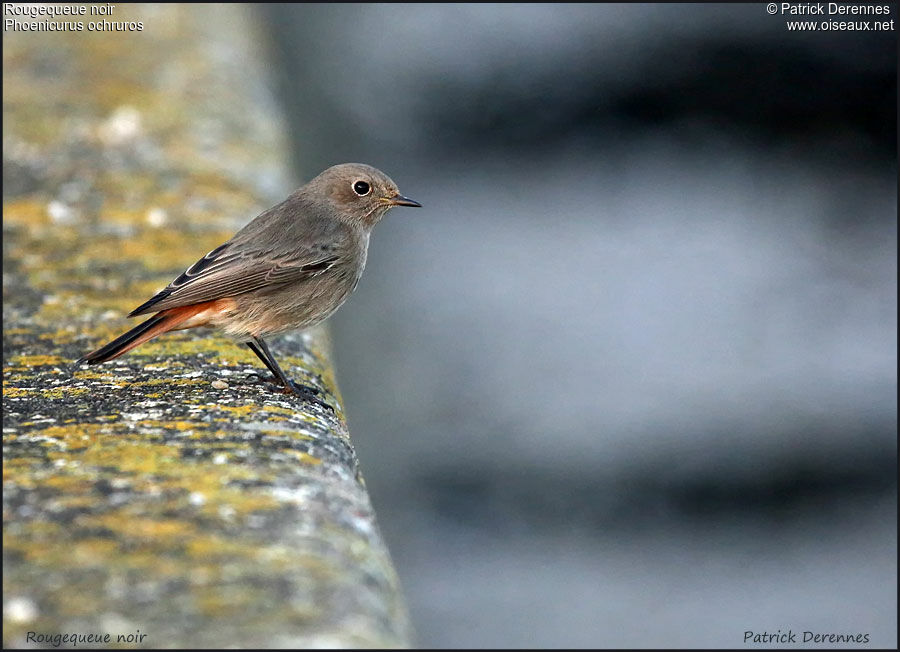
289	268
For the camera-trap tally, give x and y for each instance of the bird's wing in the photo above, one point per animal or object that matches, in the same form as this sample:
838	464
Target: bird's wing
227	272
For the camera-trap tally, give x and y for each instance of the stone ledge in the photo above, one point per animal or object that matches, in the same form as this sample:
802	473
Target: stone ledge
171	491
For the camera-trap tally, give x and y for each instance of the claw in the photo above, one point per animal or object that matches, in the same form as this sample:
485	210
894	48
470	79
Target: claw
306	392
303	390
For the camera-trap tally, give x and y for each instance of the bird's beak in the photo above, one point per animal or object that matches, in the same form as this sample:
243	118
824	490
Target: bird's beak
400	200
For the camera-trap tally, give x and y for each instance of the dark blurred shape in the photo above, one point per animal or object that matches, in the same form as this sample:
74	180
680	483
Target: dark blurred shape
531	499
768	85
776	97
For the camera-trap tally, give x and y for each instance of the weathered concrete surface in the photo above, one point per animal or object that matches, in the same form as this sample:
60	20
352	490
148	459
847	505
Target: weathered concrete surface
142	494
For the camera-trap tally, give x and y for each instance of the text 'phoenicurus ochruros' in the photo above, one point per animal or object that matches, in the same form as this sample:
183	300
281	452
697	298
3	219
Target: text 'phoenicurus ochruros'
288	269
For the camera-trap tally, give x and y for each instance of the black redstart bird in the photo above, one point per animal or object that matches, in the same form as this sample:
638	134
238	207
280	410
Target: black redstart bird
288	269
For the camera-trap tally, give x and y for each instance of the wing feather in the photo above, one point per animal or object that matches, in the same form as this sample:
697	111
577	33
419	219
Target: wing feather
226	273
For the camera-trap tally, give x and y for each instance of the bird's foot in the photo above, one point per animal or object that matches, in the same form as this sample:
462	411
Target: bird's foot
301	390
311	394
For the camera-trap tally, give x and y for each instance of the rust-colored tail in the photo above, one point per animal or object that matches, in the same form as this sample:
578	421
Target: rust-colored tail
158	324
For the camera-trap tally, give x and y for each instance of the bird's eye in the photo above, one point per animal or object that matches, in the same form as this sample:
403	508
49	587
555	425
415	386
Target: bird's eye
361	188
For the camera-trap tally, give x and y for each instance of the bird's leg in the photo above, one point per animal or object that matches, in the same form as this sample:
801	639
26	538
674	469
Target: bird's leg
261	349
276	371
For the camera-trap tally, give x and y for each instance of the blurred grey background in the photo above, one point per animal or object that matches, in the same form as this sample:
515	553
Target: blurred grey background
629	377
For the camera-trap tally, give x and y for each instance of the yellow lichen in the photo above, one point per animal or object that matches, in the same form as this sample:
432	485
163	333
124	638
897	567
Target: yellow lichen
25	212
60	392
28	361
303	457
